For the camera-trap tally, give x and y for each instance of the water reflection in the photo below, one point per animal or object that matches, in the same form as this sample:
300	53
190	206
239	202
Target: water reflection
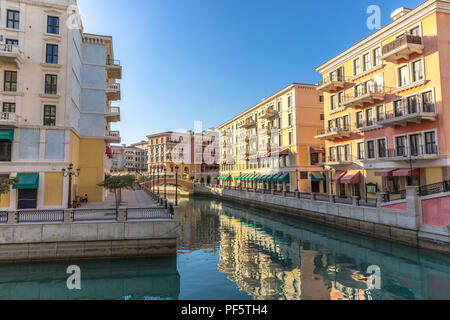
100	280
271	257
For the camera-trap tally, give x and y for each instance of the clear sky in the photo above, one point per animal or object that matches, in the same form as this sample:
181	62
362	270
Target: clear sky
208	60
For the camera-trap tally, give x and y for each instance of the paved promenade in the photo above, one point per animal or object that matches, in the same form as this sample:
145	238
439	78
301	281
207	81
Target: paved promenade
130	199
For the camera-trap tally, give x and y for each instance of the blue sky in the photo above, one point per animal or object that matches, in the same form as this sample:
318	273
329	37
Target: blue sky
208	60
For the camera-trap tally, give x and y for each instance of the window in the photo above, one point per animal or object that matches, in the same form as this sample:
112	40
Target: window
417	70
346	120
402	76
356	67
290	138
12	19
398	108
412	104
360	147
400	143
358	90
289	101
322	117
380	113
414	145
320	98
382	150
290	119
366	61
347	152
279	106
10	84
49	115
52	25
359	119
370	149
9	107
51	84
415	31
5	150
341	97
332	103
332	151
52	54
427	100
11	42
430	143
369	117
27	199
376	57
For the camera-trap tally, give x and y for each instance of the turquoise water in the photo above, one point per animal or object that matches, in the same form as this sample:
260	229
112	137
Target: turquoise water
229	251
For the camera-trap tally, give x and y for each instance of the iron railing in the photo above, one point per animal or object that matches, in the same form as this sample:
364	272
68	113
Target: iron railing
429	149
336	130
394	196
112	62
3	217
434	188
401	41
89	215
332	78
41	216
153	213
407	108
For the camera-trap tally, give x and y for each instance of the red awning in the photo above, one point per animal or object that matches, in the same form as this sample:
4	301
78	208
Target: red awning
317	150
338	176
352	177
284	152
385	173
407	173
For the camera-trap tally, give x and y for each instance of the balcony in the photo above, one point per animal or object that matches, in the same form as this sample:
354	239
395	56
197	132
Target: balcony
366	126
338	160
409	112
402	48
113	91
368	94
269	114
11	53
247	124
333	133
113	69
331	83
113	114
113	137
429	151
8	119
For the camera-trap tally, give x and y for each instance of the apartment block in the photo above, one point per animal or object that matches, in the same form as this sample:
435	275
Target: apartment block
54	102
272	145
386	104
128	159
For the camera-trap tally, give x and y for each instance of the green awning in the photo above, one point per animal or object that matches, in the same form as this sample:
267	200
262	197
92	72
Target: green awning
27	181
245	177
260	177
283	177
254	177
227	178
268	178
7	135
318	177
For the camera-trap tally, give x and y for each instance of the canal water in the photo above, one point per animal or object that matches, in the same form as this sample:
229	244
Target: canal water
230	251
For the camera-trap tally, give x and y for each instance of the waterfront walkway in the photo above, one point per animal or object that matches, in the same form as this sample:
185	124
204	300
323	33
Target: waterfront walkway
130	199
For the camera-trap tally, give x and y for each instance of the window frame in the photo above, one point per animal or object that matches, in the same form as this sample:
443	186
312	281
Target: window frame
49	26
13	20
52	87
51	118
52	55
11	83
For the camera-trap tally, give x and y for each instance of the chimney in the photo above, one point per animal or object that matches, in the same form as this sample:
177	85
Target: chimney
400	12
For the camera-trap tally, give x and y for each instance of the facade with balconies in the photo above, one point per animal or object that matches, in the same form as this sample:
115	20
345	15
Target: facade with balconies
394	96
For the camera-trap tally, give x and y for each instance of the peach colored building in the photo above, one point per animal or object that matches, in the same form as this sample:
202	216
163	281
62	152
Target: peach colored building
386	108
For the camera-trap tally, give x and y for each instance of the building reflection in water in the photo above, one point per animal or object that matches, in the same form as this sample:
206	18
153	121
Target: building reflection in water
270	257
100	280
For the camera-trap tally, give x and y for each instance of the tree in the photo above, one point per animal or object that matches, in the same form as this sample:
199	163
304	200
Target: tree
5	185
117	183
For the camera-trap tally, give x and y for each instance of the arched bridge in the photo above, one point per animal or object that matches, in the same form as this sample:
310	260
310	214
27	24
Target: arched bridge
181	183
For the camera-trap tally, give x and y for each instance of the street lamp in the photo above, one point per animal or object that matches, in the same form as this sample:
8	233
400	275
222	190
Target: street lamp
70	173
176	186
157	172
165	179
296	177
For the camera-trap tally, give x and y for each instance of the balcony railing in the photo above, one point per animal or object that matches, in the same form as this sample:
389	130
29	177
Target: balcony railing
247	124
370	93
408	111
402	48
332	83
427	151
12	53
113	91
8	118
268	114
366	126
113	136
114	69
333	133
113	114
344	158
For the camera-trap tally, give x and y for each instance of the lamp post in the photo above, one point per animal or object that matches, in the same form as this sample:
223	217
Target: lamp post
176	186
165	179
157	173
70	173
296	177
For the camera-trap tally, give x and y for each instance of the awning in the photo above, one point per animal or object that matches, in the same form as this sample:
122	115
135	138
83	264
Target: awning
385	173
407	173
285	152
7	135
338	176
352	177
27	181
318	177
283	177
317	150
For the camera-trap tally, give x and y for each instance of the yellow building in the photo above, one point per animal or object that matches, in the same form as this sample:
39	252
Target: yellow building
272	146
56	108
385	121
